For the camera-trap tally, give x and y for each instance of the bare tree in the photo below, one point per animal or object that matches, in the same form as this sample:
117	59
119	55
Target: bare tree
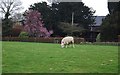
17	17
9	7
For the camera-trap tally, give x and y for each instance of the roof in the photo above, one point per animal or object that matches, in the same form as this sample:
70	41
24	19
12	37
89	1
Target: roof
98	20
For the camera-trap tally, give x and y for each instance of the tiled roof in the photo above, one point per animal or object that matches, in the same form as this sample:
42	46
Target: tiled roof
98	20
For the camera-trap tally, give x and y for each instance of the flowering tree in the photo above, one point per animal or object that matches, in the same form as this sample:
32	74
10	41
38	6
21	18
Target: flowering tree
34	24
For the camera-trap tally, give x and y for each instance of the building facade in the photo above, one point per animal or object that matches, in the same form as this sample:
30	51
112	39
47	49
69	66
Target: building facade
95	28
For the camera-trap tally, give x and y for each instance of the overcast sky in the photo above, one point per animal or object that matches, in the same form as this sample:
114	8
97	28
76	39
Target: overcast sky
99	5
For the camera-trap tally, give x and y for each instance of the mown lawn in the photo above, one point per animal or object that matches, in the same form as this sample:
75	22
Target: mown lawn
26	57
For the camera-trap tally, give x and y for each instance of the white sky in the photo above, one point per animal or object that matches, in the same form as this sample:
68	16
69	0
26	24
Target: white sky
99	5
26	3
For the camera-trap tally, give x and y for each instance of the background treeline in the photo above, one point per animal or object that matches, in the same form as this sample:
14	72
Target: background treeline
110	28
58	18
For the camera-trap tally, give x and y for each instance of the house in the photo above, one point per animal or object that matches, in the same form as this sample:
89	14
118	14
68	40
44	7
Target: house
95	28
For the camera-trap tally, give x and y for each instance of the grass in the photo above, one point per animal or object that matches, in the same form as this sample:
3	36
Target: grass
0	57
25	57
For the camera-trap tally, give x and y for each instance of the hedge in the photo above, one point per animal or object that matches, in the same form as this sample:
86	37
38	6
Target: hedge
56	40
42	40
101	43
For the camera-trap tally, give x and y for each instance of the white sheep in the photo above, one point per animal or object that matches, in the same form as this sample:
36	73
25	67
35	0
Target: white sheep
67	41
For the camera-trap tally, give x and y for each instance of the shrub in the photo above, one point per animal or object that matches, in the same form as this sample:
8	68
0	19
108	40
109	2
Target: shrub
23	35
98	38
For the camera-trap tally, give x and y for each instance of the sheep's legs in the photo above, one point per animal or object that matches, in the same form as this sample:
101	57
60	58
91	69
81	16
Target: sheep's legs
73	45
66	46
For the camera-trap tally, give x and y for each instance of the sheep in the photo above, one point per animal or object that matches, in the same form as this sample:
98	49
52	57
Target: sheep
67	41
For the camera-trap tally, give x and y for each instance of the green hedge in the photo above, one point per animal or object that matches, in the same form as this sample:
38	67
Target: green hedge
56	40
42	40
101	43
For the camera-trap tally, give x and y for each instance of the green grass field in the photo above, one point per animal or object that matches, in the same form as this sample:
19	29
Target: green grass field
25	57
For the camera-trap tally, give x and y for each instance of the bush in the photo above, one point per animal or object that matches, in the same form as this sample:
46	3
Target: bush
23	35
98	38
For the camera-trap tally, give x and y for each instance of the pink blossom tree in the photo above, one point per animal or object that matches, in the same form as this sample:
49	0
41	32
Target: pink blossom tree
34	24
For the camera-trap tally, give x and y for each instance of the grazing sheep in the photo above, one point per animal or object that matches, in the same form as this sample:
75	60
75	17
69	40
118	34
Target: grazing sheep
67	41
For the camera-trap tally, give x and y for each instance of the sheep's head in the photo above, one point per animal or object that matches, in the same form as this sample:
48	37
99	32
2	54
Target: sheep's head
62	44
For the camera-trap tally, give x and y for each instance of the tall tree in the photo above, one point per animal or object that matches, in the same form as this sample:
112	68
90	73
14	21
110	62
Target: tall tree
8	7
49	16
82	14
110	28
61	12
7	27
45	11
34	24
